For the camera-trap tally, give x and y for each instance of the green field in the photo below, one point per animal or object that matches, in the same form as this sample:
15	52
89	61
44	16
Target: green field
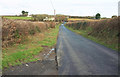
22	18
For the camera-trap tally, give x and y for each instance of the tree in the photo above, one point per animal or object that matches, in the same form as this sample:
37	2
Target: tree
114	16
98	16
23	12
60	18
26	13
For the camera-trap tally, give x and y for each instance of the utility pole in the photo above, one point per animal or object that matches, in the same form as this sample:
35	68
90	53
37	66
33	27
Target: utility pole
119	8
54	10
54	15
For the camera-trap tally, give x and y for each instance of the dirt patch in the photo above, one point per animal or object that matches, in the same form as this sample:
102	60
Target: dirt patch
44	67
46	50
41	67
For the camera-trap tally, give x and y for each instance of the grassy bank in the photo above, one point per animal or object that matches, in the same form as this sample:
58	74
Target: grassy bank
104	32
22	18
25	52
14	31
102	42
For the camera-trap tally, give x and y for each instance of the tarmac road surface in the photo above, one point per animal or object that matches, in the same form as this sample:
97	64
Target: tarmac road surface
77	55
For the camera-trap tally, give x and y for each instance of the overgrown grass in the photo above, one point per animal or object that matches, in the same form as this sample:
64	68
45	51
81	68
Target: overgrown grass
22	53
97	40
22	18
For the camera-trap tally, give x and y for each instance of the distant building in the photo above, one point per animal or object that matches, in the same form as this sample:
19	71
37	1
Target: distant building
29	16
119	8
49	19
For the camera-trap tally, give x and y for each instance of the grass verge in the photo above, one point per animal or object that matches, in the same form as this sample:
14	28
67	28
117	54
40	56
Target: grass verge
25	52
84	33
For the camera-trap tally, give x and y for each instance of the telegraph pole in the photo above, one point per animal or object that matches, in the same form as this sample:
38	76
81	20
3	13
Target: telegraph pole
54	15
54	10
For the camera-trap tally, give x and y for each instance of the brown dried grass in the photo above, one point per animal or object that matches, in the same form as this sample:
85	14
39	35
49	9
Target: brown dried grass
16	31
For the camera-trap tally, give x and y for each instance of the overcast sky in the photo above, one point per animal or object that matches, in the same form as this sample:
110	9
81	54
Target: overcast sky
106	8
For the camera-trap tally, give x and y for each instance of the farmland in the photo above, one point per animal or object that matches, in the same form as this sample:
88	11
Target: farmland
78	19
82	19
20	18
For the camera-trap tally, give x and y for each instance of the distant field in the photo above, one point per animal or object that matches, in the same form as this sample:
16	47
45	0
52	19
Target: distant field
79	19
23	18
